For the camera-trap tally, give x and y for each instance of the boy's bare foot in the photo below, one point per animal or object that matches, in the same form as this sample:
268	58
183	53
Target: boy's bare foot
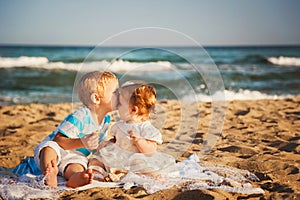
80	179
51	174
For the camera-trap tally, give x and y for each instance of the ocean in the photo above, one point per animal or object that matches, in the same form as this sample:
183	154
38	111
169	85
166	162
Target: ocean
46	74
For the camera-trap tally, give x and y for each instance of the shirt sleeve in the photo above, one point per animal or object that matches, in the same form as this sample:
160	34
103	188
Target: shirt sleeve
71	127
149	132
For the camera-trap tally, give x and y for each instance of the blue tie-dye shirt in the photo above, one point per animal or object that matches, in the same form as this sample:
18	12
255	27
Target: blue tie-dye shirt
79	124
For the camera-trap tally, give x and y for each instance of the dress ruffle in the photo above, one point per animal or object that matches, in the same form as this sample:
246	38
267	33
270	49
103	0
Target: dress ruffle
113	156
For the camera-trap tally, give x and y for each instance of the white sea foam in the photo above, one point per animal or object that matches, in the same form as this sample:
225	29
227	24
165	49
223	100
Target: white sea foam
294	61
115	66
228	95
125	66
22	61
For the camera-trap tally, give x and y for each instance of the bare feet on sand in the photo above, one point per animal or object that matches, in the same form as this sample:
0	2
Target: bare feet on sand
51	174
80	179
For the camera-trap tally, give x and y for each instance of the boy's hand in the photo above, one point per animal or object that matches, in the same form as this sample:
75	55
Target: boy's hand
90	141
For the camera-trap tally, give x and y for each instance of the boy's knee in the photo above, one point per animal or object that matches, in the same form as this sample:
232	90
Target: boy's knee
73	168
47	154
47	150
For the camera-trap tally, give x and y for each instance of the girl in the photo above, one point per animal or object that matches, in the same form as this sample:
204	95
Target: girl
134	146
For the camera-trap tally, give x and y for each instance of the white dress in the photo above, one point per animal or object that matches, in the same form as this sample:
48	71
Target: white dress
124	155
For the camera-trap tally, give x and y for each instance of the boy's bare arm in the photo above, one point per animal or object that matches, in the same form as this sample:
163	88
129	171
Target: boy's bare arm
68	143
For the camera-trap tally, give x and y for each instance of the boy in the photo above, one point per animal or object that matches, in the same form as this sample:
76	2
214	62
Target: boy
65	151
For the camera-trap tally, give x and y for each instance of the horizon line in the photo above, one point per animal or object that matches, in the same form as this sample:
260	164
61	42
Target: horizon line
127	46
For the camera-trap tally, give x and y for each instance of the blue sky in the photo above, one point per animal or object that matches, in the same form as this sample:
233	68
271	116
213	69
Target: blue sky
211	22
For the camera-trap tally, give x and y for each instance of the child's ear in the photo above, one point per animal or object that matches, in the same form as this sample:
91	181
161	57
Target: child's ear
135	109
95	98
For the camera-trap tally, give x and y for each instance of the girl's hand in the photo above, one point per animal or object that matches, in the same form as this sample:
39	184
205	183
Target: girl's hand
102	144
133	136
143	145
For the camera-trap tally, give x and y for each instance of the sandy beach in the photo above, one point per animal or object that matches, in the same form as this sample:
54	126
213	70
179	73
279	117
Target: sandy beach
261	136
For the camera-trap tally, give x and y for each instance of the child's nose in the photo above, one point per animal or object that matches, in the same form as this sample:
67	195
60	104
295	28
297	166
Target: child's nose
118	101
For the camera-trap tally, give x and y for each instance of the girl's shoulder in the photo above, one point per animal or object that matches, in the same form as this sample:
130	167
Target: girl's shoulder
150	132
145	124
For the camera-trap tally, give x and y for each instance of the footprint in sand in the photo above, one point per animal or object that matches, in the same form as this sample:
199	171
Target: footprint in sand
272	187
245	152
242	112
9	130
285	146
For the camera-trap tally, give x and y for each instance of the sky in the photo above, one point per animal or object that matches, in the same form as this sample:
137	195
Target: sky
211	22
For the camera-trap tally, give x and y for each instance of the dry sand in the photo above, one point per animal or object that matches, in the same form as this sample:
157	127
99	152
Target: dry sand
260	136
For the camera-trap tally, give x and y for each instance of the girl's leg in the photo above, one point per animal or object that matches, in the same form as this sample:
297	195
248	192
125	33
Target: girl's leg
100	174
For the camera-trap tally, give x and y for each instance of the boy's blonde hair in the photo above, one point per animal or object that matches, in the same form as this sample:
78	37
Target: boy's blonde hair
141	95
93	82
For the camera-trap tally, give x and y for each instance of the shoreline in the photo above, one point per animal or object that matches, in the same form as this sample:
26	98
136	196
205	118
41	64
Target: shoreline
261	136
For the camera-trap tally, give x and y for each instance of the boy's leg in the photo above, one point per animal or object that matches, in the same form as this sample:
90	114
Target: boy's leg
96	162
98	169
77	176
48	165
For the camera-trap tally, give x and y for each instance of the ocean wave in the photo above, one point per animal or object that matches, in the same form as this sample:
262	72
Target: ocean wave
169	59
22	61
259	59
126	66
114	66
291	61
251	59
229	95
